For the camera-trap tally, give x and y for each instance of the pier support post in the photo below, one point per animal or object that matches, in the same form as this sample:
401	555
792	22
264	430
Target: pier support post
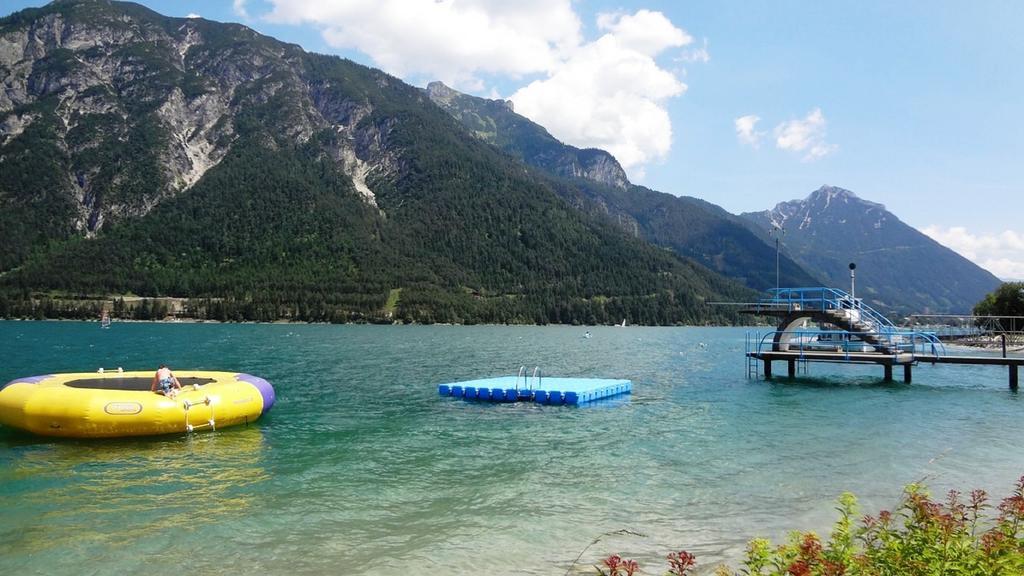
888	372
792	368
1013	377
906	373
767	369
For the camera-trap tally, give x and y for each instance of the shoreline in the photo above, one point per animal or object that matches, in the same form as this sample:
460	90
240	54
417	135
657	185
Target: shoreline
304	322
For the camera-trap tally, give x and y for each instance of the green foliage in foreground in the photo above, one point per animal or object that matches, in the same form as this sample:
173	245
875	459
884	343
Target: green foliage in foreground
921	537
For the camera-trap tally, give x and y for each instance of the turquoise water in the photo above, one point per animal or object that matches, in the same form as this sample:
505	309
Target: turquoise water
362	469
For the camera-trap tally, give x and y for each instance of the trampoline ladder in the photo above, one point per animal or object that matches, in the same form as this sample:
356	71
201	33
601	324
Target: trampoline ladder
189	427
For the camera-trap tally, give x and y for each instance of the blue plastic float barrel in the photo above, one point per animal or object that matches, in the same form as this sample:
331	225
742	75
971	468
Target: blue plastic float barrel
558	391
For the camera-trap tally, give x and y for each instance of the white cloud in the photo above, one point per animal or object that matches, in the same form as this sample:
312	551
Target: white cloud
806	136
193	15
611	93
449	40
607	93
239	8
1001	254
745	131
696	54
645	32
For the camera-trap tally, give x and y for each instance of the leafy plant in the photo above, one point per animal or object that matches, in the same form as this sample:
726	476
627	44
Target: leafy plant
922	536
1005	301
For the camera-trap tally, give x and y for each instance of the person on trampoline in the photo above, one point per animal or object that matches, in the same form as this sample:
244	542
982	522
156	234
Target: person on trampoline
165	382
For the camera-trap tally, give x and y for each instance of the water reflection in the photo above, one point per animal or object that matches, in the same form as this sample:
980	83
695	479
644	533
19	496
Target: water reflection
74	493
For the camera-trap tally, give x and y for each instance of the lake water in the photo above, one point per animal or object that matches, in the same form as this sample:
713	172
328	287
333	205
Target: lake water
362	469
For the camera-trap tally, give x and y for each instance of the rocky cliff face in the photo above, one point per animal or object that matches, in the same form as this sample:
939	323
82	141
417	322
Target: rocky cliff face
137	108
495	122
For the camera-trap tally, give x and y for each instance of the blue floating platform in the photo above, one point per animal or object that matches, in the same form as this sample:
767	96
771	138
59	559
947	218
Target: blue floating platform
573	391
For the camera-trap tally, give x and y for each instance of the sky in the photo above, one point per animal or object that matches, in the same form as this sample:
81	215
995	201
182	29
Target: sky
918	105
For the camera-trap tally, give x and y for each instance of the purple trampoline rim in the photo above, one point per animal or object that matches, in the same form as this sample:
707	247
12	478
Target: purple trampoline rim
28	380
266	390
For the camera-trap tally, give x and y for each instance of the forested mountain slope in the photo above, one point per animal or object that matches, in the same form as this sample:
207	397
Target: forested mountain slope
595	182
183	157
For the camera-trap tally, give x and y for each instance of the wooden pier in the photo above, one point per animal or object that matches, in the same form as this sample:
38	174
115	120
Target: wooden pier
861	336
1010	362
886	361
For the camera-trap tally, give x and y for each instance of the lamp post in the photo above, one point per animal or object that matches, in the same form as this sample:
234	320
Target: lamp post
777	231
853	284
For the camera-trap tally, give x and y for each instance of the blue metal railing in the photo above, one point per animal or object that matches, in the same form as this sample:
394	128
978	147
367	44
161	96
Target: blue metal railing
804	341
883	336
823	298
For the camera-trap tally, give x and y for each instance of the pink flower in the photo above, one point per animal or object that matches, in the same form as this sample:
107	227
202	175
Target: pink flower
613	562
681	562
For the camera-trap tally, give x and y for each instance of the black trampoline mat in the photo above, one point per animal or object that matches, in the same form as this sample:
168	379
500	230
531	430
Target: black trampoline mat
129	383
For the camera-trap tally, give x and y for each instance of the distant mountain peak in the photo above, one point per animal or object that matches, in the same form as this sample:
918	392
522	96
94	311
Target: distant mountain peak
829	203
897	265
832	192
834	195
440	92
443	95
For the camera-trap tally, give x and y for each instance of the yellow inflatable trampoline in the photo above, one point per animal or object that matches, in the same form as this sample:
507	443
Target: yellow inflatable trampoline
103	405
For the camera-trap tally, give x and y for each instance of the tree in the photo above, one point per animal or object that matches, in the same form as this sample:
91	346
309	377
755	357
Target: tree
1007	300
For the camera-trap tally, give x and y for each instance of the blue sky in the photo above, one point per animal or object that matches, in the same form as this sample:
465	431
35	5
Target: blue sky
917	105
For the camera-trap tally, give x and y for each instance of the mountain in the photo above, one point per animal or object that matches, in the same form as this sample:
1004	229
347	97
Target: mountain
595	182
495	122
898	268
168	156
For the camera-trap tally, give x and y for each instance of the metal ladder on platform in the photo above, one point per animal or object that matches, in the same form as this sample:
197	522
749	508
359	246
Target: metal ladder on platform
527	389
748	346
751	343
801	365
